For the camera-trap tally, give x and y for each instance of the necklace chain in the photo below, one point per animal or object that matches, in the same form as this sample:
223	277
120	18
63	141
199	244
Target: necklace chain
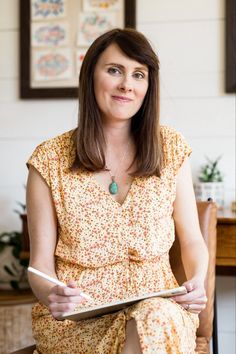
113	186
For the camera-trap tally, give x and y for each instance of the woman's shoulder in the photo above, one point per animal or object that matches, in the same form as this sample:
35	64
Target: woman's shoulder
171	137
175	147
59	141
58	145
51	154
168	132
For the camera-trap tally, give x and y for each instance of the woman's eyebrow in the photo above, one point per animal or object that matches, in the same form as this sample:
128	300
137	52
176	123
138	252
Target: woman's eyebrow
123	67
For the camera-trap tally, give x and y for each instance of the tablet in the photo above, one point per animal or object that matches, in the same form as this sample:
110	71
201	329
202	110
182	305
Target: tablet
105	309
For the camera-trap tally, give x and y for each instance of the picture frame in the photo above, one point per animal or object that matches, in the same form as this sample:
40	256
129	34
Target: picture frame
230	49
39	63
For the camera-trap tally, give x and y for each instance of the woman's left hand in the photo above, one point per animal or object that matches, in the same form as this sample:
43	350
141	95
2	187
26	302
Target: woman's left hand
195	300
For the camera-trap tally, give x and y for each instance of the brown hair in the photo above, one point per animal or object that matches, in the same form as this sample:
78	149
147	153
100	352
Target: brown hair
145	129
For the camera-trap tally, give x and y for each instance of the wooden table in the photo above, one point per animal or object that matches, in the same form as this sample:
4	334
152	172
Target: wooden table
226	243
14	297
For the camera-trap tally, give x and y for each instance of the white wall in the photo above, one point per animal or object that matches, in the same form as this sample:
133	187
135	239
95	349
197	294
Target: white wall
189	38
23	124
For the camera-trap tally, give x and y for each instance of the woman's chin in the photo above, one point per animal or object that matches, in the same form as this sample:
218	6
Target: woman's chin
117	117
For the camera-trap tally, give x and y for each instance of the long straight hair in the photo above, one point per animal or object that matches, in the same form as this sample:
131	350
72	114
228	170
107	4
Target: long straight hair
145	127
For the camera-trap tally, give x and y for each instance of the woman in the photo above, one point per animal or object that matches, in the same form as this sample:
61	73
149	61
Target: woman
102	203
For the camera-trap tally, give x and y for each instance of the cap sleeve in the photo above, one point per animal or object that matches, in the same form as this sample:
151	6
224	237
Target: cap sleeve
176	149
39	160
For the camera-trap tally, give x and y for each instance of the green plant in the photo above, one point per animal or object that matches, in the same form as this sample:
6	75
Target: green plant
210	172
14	239
23	208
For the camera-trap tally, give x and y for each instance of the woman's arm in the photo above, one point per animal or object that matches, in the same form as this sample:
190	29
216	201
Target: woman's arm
193	249
42	224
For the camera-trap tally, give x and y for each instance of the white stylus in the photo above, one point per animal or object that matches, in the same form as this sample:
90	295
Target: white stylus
53	280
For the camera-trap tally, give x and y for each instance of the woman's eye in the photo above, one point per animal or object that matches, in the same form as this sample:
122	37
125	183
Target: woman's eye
139	75
113	70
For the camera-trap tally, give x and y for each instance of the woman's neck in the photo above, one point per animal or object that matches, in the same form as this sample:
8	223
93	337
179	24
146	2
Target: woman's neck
117	135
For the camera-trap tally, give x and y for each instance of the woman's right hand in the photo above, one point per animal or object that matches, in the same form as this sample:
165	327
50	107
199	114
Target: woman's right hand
64	299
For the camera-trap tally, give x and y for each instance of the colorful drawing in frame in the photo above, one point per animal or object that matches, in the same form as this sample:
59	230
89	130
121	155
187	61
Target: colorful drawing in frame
51	65
101	5
48	9
92	25
44	34
80	54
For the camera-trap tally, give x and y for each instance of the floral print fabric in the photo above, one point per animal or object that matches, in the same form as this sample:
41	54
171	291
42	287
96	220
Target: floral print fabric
114	252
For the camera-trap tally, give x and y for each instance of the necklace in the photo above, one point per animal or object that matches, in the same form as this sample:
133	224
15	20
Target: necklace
113	186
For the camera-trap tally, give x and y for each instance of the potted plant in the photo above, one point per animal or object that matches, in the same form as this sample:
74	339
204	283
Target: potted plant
13	269
14	255
210	183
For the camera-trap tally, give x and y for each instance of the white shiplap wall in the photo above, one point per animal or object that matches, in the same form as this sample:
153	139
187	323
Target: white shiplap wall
188	36
23	124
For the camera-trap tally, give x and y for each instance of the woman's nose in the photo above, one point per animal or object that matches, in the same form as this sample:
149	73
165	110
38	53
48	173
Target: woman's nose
125	85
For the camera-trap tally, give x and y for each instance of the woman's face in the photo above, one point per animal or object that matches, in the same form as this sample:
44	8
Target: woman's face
120	84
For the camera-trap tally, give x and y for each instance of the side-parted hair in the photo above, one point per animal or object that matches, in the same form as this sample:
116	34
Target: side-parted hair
145	127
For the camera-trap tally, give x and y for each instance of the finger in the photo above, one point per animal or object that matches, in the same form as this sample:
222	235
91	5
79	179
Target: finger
194	307
64	299
186	297
191	296
67	291
201	300
61	308
189	286
195	311
192	300
72	284
58	316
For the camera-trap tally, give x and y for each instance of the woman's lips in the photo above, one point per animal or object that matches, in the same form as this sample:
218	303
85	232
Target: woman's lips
122	98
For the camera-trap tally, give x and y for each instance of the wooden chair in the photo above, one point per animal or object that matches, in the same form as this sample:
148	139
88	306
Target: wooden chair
207	213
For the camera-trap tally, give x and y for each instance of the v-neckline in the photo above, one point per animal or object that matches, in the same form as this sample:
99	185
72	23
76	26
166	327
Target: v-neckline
108	195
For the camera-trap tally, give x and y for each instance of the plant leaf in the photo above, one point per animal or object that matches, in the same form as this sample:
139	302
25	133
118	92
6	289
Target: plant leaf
23	206
8	270
15	268
2	246
16	251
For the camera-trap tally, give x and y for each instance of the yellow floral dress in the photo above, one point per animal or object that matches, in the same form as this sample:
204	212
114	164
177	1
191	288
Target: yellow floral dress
114	252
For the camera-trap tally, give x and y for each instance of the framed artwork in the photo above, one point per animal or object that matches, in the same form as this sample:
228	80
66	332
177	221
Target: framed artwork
230	31
54	37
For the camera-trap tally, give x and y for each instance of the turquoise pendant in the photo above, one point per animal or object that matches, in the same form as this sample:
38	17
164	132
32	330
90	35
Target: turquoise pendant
113	187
